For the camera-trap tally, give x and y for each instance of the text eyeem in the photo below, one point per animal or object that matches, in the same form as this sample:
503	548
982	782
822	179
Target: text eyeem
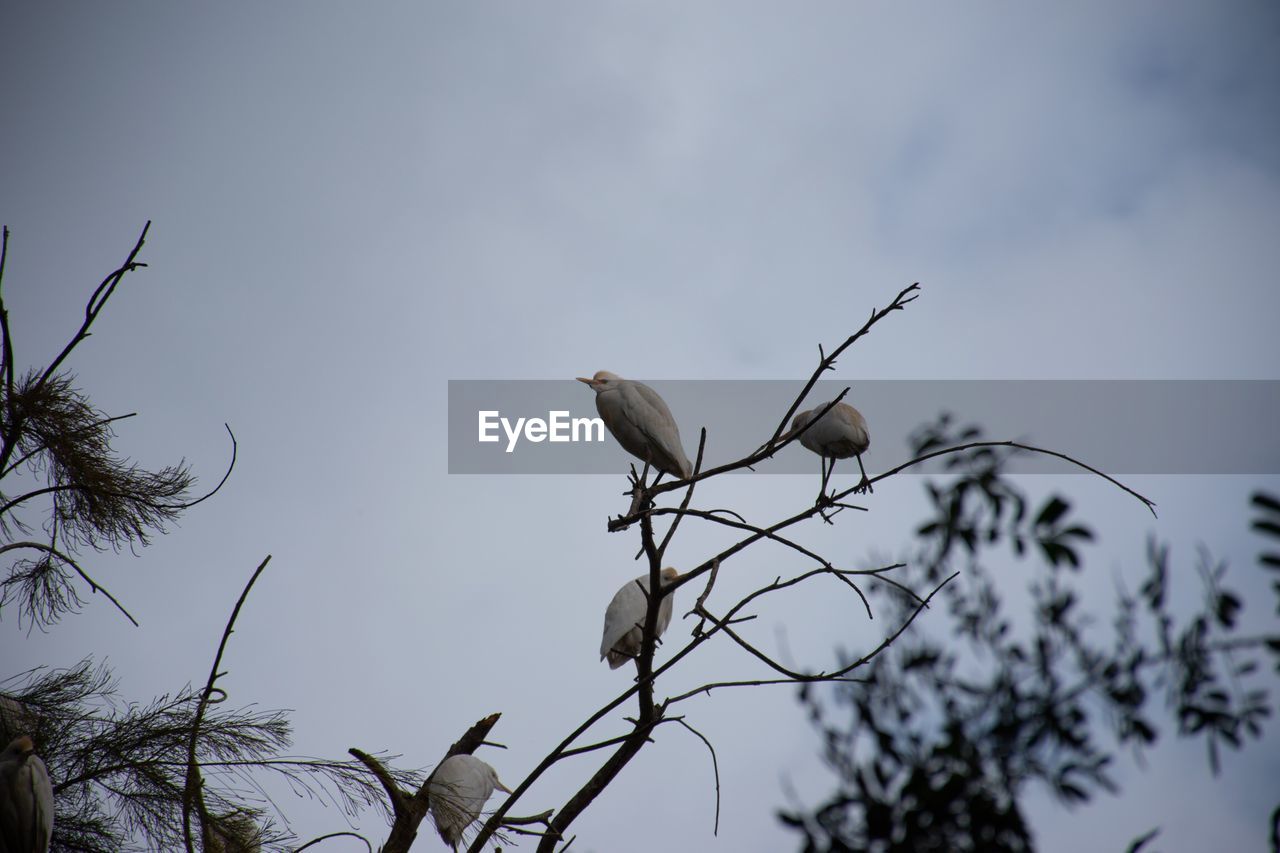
557	427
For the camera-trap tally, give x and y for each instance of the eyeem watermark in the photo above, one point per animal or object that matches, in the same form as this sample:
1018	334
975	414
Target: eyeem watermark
1123	427
558	426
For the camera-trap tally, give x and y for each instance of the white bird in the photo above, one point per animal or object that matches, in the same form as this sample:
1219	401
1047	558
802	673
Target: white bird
26	800
840	433
233	833
458	790
641	422
624	618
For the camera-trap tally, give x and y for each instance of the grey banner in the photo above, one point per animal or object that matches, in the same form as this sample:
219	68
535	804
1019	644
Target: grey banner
1119	426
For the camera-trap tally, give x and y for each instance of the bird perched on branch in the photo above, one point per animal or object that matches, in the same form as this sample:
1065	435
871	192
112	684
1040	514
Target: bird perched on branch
458	790
26	800
641	422
841	432
624	619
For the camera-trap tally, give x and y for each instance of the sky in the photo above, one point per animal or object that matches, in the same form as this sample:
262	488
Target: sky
354	204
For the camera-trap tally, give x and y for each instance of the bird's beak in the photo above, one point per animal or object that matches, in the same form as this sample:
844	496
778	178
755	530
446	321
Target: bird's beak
588	381
502	787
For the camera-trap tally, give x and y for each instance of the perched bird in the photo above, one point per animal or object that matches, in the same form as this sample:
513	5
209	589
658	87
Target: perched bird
624	619
458	790
840	433
26	799
641	422
233	833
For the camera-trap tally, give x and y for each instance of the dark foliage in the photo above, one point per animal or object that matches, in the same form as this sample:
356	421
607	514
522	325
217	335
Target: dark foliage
61	485
119	768
969	709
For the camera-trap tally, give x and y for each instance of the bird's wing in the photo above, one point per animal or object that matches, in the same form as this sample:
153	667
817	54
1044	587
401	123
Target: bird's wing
648	412
861	423
849	425
627	649
454	792
626	609
42	787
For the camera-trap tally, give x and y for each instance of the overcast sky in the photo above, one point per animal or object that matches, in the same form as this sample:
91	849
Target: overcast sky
353	204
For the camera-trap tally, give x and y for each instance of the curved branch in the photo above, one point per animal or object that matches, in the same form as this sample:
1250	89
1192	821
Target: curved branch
316	841
782	540
723	624
1150	504
221	482
715	768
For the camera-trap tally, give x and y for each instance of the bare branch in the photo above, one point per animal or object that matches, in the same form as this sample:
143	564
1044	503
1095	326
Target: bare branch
94	586
316	841
191	792
6	346
231	466
1150	504
96	303
688	494
826	363
723	624
760	682
715	768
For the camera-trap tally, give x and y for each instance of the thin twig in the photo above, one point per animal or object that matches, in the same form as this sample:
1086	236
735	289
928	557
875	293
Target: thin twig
715	768
1150	504
688	494
706	689
94	586
315	841
191	789
221	482
95	305
827	362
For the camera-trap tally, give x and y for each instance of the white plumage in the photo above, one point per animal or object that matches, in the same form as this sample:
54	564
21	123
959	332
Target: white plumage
26	800
624	618
641	422
840	433
458	791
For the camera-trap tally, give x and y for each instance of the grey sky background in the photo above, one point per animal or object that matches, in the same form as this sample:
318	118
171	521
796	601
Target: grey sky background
353	205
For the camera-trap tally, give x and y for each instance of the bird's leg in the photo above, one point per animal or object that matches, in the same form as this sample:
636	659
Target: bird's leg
822	488
865	484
